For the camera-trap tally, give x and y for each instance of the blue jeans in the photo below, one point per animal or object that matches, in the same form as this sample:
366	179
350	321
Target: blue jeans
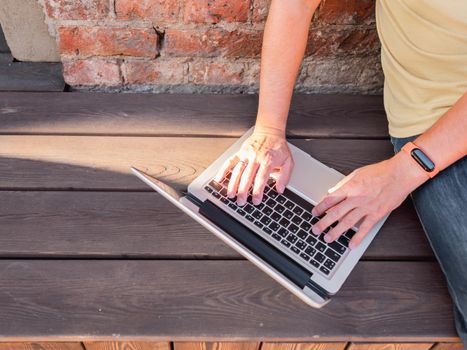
441	205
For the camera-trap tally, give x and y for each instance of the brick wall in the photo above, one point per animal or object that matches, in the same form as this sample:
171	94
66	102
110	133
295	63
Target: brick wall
207	45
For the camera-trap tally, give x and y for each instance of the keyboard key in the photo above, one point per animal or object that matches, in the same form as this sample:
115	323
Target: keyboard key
300	244
338	247
289	205
274	226
314	263
216	185
279	208
332	254
320	246
271	202
295	250
329	264
281	199
292	238
207	188
302	234
324	270
350	233
319	257
224	192
273	194
305	256
241	212
257	214
288	214
293	228
259	224
249	218
267	230
306	226
284	222
286	243
276	237
298	210
260	206
344	241
249	208
267	210
216	195
276	216
306	216
283	232
232	206
224	200
265	220
310	251
297	220
314	220
311	240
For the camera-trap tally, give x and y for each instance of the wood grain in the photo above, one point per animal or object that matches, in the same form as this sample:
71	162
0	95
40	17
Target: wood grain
98	225
216	301
448	346
355	116
124	345
215	346
408	346
31	76
87	162
41	346
303	346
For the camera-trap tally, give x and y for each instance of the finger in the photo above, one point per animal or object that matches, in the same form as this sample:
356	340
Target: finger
235	179
327	202
284	174
363	230
224	169
332	215
348	221
260	181
246	181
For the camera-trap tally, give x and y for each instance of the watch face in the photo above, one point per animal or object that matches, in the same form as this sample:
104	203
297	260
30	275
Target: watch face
423	160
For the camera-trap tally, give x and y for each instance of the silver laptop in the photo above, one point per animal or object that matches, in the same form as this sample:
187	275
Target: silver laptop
276	234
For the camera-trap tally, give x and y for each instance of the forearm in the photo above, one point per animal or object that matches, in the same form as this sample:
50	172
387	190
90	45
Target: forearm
284	43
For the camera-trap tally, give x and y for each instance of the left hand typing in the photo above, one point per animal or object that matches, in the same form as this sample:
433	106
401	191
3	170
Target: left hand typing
367	195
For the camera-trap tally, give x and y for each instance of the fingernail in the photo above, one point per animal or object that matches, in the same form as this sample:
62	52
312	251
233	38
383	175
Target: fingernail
315	230
327	238
240	202
313	212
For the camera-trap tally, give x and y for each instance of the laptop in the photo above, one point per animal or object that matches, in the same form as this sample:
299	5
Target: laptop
276	234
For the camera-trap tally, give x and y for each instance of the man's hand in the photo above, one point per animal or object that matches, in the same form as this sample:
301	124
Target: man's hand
367	195
264	153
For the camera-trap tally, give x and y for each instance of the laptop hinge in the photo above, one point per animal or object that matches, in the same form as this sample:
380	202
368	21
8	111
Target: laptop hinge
255	243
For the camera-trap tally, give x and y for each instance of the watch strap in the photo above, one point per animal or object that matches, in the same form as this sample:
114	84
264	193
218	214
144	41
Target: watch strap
411	149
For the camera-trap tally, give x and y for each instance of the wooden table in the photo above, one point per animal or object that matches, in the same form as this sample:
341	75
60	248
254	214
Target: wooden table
92	258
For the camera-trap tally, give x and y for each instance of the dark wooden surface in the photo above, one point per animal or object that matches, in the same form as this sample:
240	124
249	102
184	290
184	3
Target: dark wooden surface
3	45
31	76
87	252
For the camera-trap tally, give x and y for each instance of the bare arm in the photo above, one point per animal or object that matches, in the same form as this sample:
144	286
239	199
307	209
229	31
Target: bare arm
284	43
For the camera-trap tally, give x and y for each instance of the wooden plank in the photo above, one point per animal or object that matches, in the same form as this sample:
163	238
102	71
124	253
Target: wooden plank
355	116
215	346
448	346
159	300
31	76
88	162
97	225
5	58
124	345
406	346
41	346
303	346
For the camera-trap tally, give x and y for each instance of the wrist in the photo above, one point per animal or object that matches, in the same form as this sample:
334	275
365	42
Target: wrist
272	130
407	171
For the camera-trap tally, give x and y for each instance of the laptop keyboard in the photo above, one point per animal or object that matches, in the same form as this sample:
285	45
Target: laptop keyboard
286	218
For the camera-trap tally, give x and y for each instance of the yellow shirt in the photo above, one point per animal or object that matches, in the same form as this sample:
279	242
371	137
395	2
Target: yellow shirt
424	59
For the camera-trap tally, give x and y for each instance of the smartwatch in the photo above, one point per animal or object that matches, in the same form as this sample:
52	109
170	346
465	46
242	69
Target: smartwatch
421	158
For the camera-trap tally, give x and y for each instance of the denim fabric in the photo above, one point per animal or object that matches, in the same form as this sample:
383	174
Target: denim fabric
441	204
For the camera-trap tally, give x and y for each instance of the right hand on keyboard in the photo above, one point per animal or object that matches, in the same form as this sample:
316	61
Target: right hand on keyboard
265	153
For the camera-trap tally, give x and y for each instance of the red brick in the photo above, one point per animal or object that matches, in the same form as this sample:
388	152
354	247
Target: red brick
92	72
107	41
214	11
156	71
216	73
346	12
77	9
212	42
260	10
154	10
331	42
